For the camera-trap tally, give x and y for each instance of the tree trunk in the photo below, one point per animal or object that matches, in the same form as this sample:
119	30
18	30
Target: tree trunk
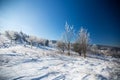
80	53
69	48
69	53
84	52
11	42
63	50
24	44
38	45
31	45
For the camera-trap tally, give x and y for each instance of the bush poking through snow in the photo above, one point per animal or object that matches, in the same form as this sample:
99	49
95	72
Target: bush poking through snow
94	48
13	51
77	48
61	46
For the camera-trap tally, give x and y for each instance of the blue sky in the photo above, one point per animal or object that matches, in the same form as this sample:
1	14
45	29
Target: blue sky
46	18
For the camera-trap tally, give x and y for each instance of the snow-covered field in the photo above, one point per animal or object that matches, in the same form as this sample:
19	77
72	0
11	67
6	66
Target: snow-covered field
24	63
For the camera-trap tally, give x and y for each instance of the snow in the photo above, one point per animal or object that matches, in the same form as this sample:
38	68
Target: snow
45	63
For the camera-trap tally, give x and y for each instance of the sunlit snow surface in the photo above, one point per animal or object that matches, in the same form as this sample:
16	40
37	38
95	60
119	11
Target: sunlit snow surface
24	63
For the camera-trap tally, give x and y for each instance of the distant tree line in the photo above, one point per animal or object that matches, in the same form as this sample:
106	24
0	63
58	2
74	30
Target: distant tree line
22	38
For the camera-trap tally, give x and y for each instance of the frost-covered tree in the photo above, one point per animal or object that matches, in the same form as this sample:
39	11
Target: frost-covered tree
2	40
11	35
41	42
61	46
22	37
68	36
94	48
46	42
8	35
83	39
38	41
31	40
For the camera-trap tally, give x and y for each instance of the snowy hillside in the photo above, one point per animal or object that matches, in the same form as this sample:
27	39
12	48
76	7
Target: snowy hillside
24	63
21	62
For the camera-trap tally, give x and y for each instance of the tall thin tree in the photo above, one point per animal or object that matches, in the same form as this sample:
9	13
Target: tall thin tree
68	36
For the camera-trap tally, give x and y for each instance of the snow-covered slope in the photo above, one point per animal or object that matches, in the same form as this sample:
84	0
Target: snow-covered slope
45	63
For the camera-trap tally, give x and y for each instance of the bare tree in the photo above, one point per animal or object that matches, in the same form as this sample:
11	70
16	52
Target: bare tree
68	36
83	39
